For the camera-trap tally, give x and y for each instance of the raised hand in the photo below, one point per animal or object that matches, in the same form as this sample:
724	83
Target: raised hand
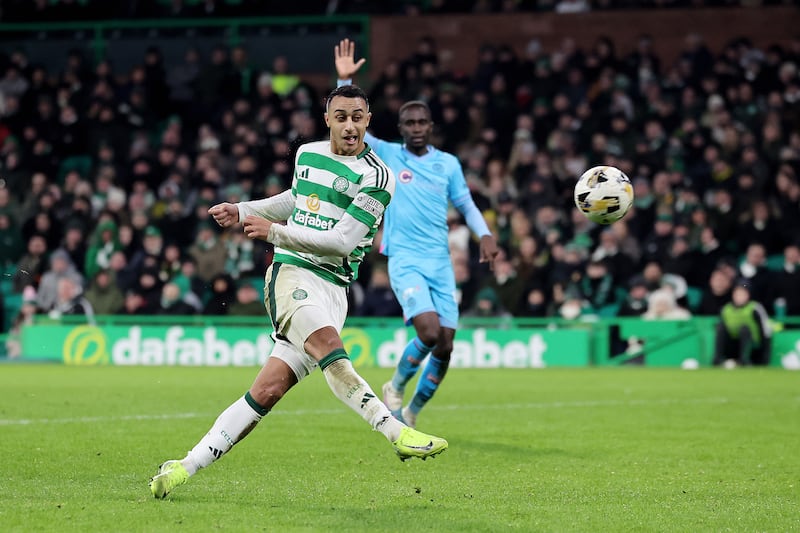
344	55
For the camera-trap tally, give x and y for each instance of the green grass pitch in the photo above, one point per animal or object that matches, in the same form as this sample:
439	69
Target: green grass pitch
553	450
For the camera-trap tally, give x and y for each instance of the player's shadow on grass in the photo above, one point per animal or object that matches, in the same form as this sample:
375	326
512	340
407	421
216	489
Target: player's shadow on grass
487	447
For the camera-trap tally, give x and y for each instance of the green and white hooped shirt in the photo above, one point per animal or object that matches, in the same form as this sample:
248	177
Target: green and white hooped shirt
325	187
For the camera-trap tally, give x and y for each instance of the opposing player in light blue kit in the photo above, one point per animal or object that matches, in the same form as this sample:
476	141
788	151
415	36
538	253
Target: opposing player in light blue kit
415	242
338	197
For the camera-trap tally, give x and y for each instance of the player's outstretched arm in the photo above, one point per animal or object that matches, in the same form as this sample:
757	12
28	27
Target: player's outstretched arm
340	240
364	213
344	55
275	208
477	224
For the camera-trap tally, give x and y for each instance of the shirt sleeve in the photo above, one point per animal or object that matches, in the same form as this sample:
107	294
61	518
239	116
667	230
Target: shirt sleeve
363	214
340	240
275	208
461	198
369	205
472	215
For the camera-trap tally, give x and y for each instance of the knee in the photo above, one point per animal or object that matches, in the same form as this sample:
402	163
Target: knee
444	347
429	334
268	395
322	342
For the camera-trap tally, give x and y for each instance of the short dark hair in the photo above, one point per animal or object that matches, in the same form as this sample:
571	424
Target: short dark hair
414	103
346	91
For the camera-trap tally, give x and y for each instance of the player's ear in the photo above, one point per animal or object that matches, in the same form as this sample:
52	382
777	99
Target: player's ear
327	121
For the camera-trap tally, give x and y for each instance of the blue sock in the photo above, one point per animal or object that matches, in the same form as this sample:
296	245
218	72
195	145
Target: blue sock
432	375
413	355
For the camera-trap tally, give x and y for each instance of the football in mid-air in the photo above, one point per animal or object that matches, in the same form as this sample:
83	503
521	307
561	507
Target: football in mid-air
604	194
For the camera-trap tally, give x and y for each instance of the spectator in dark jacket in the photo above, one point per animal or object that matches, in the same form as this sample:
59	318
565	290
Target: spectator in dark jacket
32	264
148	286
249	301
223	294
635	302
379	299
760	227
596	286
172	303
753	268
786	283
717	294
11	244
104	294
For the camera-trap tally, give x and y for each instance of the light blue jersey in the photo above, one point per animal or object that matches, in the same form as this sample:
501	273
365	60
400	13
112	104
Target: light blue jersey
415	228
425	187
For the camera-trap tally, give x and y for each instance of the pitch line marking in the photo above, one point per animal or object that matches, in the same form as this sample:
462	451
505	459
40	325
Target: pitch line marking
318	412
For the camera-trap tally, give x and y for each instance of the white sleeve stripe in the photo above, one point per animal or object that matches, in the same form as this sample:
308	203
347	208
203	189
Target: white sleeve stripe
382	173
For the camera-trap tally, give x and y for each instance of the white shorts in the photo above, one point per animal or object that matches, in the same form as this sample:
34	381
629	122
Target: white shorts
299	303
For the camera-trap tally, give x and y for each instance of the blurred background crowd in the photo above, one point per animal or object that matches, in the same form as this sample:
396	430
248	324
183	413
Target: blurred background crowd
106	175
66	10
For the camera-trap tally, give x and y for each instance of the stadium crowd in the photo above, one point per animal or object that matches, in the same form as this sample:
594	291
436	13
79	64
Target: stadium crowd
79	10
107	177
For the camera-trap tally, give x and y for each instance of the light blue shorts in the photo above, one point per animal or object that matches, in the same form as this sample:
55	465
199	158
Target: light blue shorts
424	284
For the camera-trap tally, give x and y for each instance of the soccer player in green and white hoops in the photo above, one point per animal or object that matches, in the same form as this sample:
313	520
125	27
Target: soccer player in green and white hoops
338	196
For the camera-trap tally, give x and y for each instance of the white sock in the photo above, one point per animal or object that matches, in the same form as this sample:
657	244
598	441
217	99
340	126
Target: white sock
231	426
409	416
351	388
